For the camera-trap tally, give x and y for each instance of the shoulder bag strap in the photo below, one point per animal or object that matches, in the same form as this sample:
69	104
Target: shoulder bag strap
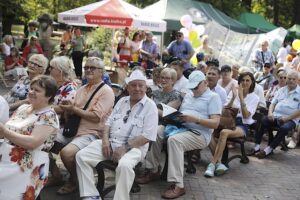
262	56
137	113
90	99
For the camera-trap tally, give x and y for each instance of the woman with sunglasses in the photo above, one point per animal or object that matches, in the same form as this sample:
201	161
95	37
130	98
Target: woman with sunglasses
246	101
279	83
17	96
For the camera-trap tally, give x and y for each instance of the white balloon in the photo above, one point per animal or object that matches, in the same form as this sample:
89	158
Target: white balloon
185	32
200	29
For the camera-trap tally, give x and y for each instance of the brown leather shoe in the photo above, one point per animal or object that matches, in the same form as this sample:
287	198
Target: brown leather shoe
262	154
147	178
173	192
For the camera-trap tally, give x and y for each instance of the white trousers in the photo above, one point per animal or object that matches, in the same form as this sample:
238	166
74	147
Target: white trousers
90	156
177	145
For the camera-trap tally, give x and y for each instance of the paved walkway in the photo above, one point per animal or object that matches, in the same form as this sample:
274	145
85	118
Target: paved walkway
275	178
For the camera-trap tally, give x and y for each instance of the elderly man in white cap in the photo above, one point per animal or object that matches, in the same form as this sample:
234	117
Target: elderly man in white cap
201	110
128	130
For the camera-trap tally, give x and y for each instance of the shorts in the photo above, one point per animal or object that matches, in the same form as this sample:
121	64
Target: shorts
83	140
245	127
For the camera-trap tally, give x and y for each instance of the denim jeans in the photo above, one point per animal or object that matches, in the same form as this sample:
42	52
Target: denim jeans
283	130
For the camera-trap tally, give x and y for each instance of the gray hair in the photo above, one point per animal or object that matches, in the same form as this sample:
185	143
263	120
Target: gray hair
63	63
171	72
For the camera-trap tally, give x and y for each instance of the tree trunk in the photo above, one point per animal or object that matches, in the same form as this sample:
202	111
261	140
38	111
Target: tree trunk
247	4
276	12
54	7
296	19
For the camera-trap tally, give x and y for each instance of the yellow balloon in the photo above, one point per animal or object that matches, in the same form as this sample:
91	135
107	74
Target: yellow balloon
194	60
296	44
193	35
196	43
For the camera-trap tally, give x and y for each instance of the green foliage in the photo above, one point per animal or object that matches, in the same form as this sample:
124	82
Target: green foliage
143	3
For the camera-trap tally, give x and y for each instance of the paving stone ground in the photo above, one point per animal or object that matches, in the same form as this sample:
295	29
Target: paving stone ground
275	178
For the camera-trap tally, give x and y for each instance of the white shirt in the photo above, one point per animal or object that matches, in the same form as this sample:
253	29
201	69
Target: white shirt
232	84
6	49
251	101
259	91
180	84
281	55
4	110
142	119
221	92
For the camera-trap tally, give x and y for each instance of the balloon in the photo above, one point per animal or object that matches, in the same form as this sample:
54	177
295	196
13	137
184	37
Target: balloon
185	32
194	60
193	36
200	29
196	43
296	44
186	21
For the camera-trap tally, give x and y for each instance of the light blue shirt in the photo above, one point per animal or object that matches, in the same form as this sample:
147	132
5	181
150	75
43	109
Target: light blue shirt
209	103
286	102
181	50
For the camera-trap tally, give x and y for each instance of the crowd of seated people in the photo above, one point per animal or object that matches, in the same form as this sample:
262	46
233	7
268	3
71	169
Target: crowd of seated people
122	130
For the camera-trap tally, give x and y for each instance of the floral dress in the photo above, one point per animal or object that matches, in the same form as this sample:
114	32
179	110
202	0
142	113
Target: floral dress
19	91
65	93
23	173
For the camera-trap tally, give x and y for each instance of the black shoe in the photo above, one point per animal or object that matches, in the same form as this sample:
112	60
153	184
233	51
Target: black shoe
252	152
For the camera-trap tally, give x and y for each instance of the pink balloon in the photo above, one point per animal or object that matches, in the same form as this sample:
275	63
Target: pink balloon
186	21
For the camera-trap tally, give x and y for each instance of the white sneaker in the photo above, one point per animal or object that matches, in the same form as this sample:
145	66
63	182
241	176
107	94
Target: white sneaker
210	171
292	145
220	169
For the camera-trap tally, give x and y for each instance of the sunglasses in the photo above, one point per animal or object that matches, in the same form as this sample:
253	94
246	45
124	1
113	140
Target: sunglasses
195	88
89	68
34	64
282	77
125	119
178	35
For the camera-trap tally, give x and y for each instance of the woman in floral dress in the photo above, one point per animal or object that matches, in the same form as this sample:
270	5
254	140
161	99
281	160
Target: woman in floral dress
28	137
60	69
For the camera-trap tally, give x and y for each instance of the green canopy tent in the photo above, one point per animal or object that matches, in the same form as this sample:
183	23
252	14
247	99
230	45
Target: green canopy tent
294	31
256	23
172	10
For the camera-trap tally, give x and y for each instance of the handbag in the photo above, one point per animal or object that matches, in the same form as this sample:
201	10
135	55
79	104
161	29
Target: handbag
72	124
227	119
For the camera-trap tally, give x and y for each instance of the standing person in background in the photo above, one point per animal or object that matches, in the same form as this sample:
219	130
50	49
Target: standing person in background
206	49
124	46
149	52
263	55
181	48
282	54
235	71
31	31
135	45
78	45
66	39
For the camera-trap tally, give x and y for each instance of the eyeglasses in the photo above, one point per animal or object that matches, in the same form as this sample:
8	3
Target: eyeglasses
178	35
165	78
282	77
195	88
126	116
34	64
90	68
